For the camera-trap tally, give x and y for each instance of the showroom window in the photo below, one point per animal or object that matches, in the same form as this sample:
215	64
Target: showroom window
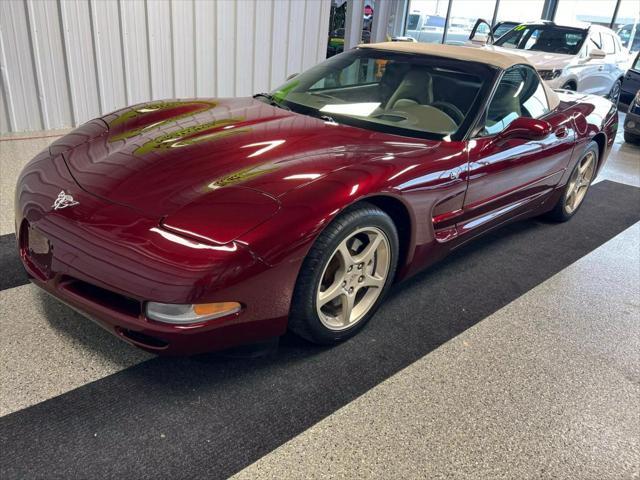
627	24
426	20
519	10
464	14
598	12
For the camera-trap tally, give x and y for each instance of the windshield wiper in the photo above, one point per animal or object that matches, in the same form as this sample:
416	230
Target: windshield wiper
271	99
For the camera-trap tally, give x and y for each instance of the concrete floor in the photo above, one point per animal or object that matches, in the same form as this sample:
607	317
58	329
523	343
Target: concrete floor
546	387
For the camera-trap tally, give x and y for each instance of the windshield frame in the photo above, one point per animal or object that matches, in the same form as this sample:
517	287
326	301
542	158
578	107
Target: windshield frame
542	26
485	72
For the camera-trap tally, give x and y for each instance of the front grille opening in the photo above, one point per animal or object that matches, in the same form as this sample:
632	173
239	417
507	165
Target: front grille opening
142	339
103	297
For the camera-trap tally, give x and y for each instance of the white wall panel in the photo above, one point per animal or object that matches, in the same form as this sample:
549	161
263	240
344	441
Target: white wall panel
279	42
78	38
160	48
262	43
108	51
184	70
18	73
296	37
49	62
226	47
205	45
245	31
135	50
63	62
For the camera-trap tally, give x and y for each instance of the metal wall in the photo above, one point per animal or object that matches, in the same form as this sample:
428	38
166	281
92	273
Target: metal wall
66	61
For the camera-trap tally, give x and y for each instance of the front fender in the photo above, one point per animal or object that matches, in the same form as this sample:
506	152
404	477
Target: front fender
305	212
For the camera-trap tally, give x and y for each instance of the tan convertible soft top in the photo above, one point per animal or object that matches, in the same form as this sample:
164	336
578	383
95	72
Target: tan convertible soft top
489	55
495	56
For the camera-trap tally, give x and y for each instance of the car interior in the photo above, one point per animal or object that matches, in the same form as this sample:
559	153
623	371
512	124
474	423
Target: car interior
403	94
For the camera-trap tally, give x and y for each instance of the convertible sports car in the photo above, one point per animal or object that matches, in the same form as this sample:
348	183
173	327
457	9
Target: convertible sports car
186	226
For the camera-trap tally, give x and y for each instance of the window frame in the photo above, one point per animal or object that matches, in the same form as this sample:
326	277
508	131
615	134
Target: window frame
479	125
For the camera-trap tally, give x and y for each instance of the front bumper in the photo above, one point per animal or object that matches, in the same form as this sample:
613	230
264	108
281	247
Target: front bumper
107	260
632	123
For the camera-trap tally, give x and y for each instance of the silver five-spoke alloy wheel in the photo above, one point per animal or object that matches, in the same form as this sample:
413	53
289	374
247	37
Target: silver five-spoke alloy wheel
353	278
579	182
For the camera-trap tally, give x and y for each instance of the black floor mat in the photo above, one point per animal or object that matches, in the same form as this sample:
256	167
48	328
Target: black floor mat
210	416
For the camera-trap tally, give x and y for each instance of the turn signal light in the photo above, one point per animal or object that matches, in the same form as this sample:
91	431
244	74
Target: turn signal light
215	308
191	312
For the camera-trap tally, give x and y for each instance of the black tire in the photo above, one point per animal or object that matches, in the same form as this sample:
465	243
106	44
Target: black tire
632	138
569	86
559	213
614	93
303	318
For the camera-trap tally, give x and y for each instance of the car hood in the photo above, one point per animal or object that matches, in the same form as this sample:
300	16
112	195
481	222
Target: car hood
160	157
541	60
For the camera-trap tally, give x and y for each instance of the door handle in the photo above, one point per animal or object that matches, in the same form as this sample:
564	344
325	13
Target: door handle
561	132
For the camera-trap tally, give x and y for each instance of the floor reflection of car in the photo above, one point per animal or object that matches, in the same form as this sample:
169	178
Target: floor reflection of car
631	82
587	58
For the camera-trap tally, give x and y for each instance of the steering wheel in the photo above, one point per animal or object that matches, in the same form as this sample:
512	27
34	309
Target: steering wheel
450	109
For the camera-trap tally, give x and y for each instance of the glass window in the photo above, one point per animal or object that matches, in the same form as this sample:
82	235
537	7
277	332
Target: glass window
519	94
608	44
597	12
519	11
426	19
627	25
636	65
464	14
405	94
544	38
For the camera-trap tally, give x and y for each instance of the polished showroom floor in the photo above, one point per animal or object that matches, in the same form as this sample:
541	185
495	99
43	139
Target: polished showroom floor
518	357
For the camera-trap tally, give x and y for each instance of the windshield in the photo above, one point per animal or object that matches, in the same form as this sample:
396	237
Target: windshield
415	95
544	38
503	28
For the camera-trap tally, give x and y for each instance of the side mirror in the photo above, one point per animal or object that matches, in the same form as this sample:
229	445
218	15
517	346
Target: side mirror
597	54
526	128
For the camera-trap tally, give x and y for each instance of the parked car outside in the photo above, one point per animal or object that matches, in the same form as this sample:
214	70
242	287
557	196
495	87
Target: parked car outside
632	121
587	58
425	28
631	82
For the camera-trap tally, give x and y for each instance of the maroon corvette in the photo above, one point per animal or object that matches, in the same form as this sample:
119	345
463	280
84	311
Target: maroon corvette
185	226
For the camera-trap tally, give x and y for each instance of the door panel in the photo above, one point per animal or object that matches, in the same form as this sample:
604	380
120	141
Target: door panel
514	173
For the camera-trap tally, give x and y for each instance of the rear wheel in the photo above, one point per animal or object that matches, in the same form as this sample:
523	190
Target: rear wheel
345	276
569	86
576	188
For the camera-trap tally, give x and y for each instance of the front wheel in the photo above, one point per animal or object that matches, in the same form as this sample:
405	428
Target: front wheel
345	275
576	188
614	94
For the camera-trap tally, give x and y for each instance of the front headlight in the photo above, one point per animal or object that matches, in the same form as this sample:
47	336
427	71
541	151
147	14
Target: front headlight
635	102
182	314
550	74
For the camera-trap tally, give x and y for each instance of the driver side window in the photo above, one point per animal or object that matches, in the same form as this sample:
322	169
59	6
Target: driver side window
520	93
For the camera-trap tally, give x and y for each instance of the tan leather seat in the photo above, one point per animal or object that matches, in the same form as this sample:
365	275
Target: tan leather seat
415	88
505	102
